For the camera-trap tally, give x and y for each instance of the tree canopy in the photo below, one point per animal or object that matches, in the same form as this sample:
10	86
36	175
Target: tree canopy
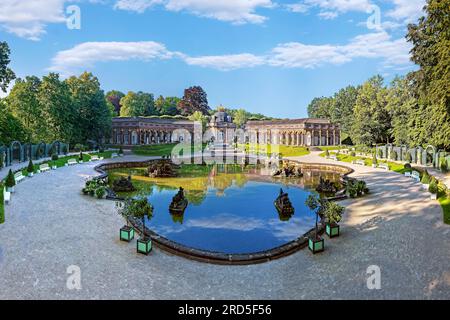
6	74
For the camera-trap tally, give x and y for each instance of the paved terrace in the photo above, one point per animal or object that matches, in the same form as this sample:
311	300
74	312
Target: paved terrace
50	226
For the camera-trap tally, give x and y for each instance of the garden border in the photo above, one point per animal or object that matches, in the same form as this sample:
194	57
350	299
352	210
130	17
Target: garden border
210	256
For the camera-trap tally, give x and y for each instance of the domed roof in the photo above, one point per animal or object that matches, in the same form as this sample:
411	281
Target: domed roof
221	116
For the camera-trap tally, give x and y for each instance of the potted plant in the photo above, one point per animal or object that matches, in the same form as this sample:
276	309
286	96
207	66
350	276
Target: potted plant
374	160
55	157
30	168
140	209
444	165
426	180
315	243
80	158
361	188
10	181
333	214
126	232
120	151
433	189
327	154
100	192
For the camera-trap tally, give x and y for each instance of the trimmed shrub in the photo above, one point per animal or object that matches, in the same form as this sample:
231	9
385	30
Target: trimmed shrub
100	192
327	153
425	178
10	181
120	150
30	168
55	157
407	166
433	188
353	154
374	159
444	165
81	156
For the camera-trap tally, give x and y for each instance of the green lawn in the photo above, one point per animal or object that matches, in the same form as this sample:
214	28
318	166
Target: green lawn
285	151
399	168
324	148
158	150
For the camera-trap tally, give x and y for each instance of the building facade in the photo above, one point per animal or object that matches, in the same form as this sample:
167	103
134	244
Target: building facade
294	132
221	129
144	131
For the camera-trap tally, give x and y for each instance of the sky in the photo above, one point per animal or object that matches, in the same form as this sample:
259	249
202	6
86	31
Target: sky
266	56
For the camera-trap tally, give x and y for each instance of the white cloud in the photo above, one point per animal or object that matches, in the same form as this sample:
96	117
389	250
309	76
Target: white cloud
88	53
378	45
328	15
406	10
226	62
394	53
330	9
136	5
297	7
234	11
28	18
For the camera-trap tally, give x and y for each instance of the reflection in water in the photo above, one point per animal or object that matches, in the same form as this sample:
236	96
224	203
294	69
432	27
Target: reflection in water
230	210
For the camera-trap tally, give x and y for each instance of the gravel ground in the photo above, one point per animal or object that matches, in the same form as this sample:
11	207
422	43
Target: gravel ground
51	226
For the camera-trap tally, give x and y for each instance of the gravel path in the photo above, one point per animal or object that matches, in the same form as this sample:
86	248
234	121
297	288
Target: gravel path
51	226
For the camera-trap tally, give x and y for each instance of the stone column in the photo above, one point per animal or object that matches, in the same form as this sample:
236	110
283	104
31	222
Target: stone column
327	138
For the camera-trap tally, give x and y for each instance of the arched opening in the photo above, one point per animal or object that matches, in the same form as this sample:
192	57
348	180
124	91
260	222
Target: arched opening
40	151
16	151
429	154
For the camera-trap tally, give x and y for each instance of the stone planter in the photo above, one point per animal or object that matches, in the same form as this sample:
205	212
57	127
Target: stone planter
332	230
30	174
316	245
81	161
38	171
433	196
374	166
54	167
126	233
425	186
10	189
144	246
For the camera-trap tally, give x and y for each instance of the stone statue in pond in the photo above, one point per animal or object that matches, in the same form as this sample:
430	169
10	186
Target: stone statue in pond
284	206
287	171
326	186
179	203
162	169
123	185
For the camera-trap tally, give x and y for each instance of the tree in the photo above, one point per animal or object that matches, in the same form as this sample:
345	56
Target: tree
113	100
6	74
200	117
194	99
167	106
400	105
57	109
138	104
371	119
343	107
321	108
23	103
430	38
240	117
93	118
11	129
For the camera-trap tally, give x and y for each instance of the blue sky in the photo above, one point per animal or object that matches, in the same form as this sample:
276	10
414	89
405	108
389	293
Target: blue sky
266	56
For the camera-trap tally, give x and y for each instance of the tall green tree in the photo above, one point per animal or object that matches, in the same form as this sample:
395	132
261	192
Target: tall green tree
371	119
321	108
6	74
200	117
23	103
92	115
194	99
57	109
430	38
344	102
138	104
167	106
11	128
240	117
400	105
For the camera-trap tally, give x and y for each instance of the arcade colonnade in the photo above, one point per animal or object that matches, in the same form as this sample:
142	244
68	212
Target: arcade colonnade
146	131
296	132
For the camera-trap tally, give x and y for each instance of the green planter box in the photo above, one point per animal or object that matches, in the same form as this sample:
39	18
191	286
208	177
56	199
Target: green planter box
332	230
144	246
126	234
316	245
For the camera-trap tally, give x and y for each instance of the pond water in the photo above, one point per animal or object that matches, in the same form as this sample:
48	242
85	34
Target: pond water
230	212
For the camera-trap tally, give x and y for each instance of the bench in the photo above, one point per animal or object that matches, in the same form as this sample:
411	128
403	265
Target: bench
415	175
114	155
44	167
383	166
71	162
6	196
335	158
95	158
18	176
360	162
